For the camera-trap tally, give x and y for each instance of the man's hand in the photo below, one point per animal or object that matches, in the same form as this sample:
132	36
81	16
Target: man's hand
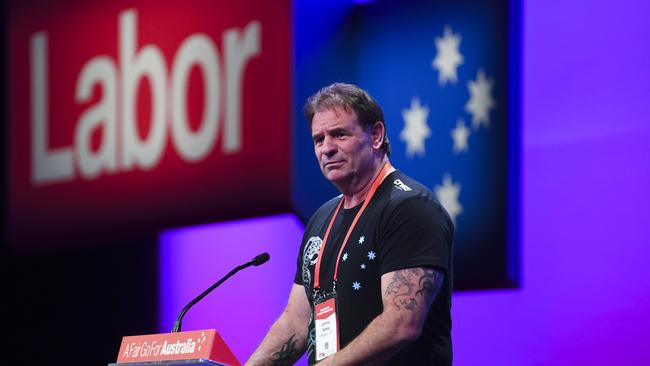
286	341
407	295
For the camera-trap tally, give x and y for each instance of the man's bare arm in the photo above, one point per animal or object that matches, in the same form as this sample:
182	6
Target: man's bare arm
407	295
286	341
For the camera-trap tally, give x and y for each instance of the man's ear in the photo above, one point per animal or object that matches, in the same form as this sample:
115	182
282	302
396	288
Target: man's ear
377	134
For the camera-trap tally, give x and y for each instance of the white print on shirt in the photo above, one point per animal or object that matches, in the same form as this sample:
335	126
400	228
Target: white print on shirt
400	185
309	257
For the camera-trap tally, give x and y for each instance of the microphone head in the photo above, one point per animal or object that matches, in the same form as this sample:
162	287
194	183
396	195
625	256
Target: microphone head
261	259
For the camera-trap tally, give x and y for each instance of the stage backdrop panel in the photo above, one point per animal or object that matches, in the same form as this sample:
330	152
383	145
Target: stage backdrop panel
140	115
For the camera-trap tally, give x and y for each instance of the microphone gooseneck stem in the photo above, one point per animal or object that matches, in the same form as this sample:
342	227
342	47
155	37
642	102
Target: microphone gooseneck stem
179	320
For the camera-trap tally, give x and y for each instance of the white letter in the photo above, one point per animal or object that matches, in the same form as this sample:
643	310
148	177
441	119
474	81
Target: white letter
147	63
99	70
237	55
126	351
47	166
199	50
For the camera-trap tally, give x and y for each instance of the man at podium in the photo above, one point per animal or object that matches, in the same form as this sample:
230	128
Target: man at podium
374	272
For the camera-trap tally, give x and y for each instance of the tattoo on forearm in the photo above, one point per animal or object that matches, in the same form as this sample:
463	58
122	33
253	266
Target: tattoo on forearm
403	283
286	354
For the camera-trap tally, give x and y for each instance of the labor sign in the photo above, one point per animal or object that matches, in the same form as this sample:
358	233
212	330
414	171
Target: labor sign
126	115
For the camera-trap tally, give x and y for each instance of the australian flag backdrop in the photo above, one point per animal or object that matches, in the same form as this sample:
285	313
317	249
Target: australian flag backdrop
446	75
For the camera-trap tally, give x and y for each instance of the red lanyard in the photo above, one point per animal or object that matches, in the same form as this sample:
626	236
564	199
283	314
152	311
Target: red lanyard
387	169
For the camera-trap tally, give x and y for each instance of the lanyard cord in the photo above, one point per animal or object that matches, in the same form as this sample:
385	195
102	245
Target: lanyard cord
386	169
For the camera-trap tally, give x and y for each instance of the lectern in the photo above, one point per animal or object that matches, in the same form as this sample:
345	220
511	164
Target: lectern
199	347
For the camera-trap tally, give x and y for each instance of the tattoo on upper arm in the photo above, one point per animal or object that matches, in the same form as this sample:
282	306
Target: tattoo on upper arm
402	287
286	354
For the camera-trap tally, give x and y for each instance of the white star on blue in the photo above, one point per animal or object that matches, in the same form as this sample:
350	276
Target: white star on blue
362	239
345	257
363	266
371	255
356	286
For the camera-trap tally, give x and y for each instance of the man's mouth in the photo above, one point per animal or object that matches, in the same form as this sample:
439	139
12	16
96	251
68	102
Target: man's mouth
333	164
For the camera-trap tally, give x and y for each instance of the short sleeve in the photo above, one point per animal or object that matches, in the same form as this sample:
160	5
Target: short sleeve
297	278
416	233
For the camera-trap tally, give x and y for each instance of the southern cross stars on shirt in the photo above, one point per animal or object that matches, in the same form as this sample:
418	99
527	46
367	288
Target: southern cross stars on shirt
356	285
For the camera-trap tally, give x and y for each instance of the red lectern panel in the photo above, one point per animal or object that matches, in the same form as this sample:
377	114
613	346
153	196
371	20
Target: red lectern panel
194	347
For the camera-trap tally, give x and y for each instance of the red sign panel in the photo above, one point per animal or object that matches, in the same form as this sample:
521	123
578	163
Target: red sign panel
193	345
131	115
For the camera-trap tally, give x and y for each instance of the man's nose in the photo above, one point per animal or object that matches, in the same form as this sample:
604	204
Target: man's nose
329	146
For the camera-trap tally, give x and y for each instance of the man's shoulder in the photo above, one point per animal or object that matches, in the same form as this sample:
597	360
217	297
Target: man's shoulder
324	210
402	188
328	206
407	195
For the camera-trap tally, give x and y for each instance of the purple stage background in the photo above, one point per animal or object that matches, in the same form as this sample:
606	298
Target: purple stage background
585	294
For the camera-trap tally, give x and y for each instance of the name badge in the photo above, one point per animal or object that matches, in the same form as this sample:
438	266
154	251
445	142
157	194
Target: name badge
327	331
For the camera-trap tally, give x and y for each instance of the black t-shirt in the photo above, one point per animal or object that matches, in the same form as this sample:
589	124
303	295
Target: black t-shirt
403	226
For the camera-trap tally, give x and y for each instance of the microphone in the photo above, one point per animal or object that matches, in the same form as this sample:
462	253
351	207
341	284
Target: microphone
259	260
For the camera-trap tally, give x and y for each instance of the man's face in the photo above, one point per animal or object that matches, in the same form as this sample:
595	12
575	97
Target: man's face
343	149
